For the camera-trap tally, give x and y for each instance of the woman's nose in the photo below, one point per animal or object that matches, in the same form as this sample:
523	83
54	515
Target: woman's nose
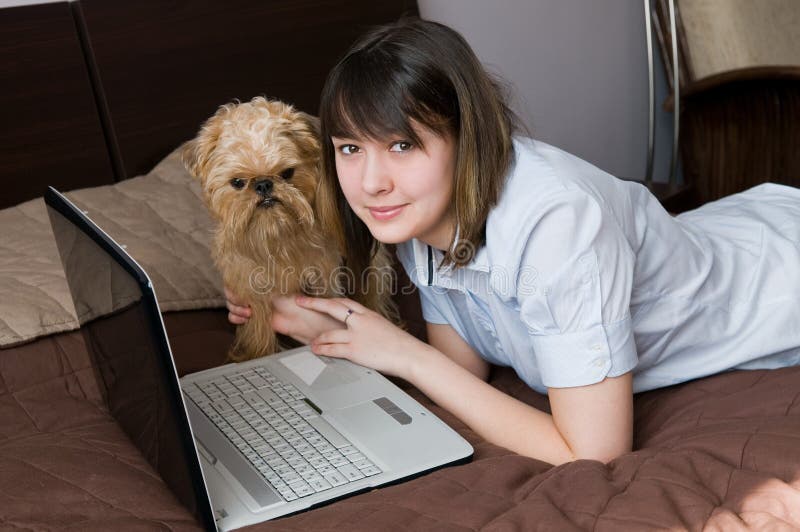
375	178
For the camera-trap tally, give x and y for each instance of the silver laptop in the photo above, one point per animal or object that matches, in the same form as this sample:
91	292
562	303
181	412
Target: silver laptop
246	442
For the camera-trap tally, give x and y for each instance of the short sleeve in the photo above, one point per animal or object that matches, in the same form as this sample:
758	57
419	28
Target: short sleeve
573	287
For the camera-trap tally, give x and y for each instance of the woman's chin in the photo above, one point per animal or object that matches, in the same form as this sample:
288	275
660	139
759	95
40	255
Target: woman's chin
388	235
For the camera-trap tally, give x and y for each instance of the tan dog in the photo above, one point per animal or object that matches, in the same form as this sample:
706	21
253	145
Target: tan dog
259	163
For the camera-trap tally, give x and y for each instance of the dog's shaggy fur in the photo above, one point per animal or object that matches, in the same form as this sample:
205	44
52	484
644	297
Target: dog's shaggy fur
259	164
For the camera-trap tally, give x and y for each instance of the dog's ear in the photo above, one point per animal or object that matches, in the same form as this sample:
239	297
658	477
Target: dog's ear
305	132
311	121
192	158
197	152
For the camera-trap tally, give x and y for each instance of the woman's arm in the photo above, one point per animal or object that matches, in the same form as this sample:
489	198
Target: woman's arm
445	339
594	422
590	421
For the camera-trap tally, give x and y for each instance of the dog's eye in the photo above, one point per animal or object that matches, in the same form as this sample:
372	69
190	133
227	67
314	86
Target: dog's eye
237	183
288	173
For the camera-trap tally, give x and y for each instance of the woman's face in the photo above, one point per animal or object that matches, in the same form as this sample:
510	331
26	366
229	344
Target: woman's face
399	190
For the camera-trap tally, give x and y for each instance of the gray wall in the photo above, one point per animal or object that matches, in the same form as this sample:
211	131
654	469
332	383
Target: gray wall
577	70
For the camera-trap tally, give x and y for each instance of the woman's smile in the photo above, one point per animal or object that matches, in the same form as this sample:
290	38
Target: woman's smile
385	213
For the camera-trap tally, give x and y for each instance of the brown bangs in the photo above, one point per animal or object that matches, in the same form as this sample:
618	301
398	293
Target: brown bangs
370	97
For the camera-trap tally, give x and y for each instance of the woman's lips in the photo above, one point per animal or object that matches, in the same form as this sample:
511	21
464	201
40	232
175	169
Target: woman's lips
385	213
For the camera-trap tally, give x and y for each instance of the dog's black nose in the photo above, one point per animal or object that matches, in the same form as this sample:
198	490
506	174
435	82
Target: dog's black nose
263	187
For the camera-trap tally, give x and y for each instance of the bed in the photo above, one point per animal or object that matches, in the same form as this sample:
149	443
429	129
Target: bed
135	80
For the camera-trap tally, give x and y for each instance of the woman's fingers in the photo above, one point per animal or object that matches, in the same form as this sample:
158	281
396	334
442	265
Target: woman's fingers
236	305
332	350
234	300
237	313
334	336
349	303
335	308
243	312
230	296
236	319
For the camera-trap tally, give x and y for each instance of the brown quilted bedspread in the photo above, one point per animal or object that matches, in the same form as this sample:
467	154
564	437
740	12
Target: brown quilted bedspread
721	453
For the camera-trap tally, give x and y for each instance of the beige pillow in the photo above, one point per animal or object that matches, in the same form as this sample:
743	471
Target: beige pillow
159	217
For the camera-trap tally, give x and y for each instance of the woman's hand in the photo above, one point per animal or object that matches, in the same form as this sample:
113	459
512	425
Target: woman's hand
368	338
238	311
300	323
287	317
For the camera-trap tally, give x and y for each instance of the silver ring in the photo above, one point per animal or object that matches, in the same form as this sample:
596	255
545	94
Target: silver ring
349	313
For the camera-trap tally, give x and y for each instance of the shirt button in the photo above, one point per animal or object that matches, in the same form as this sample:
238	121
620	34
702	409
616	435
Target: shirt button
597	347
599	362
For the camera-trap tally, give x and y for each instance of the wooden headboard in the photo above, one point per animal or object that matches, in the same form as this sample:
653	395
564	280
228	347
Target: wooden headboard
96	91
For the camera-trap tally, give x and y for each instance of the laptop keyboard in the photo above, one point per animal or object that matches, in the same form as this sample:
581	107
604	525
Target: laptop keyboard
280	432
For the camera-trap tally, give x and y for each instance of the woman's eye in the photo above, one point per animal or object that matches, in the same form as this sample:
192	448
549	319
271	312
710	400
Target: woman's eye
237	183
401	146
288	173
348	149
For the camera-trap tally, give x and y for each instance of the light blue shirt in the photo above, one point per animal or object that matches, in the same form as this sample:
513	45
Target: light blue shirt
585	276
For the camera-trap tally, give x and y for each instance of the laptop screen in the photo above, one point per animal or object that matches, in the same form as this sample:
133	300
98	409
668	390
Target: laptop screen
124	335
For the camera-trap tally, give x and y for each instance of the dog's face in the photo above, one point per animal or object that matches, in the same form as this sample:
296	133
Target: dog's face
258	163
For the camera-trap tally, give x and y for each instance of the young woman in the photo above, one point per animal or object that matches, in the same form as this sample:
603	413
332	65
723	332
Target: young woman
526	256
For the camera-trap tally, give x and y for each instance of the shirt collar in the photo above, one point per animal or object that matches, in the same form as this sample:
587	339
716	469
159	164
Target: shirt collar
427	258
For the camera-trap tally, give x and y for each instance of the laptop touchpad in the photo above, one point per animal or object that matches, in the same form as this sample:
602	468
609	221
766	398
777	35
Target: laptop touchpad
318	372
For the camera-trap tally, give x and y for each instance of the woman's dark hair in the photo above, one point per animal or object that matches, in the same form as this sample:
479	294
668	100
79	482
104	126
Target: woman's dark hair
420	71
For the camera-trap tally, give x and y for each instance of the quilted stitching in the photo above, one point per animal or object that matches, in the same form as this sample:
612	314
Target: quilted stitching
64	462
719	453
159	217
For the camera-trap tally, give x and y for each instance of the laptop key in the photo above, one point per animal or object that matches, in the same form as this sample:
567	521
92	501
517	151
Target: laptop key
350	472
371	470
339	461
363	464
330	455
290	477
335	478
275	461
315	440
295	462
320	485
306	430
270	397
326	448
288	494
283	469
355	457
237	402
317	462
324	470
308	474
302	488
216	396
258	382
313	476
304	469
348	450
